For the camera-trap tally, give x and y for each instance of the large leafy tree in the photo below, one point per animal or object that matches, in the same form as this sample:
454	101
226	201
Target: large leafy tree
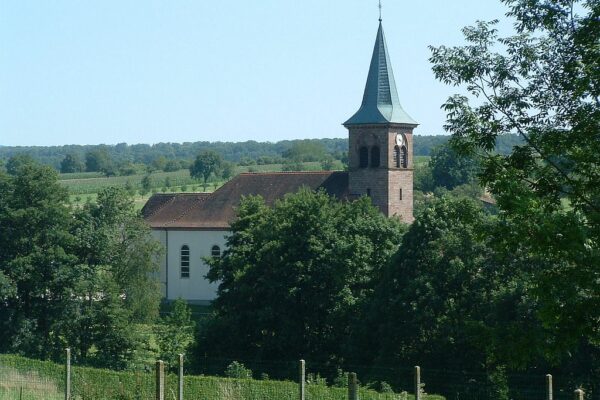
68	277
117	285
450	169
449	301
36	265
542	83
206	164
71	163
296	275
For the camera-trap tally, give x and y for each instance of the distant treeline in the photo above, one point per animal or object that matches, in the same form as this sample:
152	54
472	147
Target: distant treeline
249	152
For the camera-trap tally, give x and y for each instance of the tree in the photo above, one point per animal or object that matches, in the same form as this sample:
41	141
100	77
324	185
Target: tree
227	170
450	169
206	164
172	166
37	272
175	332
117	286
146	184
71	163
15	163
99	160
295	275
159	163
328	163
544	85
448	301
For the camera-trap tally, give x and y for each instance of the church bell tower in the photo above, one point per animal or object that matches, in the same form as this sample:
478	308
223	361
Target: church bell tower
381	141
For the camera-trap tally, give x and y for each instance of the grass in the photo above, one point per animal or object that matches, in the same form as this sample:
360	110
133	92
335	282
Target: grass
43	380
27	386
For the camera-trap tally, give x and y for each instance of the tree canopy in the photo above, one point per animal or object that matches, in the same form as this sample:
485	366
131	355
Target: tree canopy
543	83
310	258
69	277
206	164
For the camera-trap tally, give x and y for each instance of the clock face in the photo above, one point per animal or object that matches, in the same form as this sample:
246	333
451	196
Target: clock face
400	139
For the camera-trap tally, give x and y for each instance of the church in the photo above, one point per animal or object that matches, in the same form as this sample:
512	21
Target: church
194	226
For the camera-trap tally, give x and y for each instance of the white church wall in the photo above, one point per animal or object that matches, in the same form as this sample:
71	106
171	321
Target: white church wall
196	288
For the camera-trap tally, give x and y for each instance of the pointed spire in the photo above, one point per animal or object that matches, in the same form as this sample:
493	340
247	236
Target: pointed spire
380	103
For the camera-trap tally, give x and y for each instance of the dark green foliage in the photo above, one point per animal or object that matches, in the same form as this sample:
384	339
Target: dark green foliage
238	370
555	109
71	278
175	332
206	164
16	162
146	184
171	166
36	265
450	169
295	276
227	170
423	178
115	253
70	164
450	300
542	83
99	160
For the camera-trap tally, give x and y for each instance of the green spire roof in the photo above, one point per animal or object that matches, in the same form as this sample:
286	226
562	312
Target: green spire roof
380	103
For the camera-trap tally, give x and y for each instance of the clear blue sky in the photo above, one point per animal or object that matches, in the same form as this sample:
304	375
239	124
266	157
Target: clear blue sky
89	72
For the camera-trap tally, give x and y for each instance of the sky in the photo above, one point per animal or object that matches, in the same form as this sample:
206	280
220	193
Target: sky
91	72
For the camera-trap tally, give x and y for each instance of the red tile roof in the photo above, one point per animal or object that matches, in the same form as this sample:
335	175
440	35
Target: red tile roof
217	210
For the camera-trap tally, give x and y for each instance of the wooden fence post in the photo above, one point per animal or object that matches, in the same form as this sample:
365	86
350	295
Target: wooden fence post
180	387
302	380
68	376
579	394
549	387
160	380
417	383
352	386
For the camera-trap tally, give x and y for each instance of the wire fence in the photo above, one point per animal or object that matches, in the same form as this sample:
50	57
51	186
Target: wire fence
26	379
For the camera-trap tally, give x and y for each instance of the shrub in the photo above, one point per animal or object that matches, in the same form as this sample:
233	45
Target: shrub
238	370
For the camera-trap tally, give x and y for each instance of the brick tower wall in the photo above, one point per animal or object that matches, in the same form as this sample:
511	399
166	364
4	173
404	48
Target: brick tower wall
386	181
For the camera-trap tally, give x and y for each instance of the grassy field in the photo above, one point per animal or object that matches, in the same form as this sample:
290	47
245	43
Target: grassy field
41	380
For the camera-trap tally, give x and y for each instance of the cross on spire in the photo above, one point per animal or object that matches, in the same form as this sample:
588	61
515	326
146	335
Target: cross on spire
380	10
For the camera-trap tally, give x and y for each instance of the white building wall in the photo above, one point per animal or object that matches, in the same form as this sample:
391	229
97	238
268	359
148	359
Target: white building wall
196	288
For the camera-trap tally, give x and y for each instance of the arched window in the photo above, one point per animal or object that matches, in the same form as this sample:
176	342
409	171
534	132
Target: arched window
363	154
215	251
185	261
375	158
397	156
403	157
